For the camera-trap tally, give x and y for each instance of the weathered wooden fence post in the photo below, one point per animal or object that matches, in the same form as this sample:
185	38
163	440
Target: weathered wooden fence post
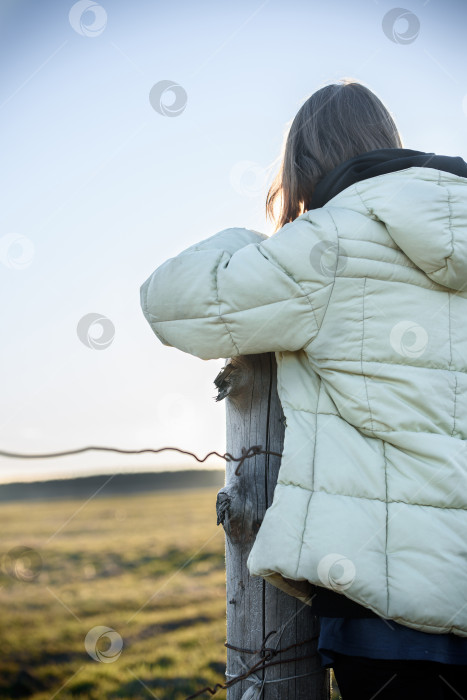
255	607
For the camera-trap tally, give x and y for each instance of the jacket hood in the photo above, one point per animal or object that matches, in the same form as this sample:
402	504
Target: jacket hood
407	190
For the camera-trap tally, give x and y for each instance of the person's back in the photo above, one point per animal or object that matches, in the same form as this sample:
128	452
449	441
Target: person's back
389	360
361	293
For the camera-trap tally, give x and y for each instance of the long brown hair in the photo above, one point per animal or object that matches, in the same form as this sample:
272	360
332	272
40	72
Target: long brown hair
339	121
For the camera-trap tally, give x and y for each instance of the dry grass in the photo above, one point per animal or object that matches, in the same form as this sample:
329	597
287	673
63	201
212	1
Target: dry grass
149	566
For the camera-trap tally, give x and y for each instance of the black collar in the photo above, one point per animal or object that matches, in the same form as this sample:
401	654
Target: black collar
378	162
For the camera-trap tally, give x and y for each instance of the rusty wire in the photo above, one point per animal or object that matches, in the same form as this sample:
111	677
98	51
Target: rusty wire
266	654
246	453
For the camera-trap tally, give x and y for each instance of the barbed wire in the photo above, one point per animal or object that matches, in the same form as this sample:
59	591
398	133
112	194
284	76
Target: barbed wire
246	453
266	654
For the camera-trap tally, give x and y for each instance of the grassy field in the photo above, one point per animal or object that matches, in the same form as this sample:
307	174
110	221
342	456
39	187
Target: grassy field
149	566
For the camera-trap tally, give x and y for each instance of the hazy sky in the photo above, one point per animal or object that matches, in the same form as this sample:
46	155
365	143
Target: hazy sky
99	188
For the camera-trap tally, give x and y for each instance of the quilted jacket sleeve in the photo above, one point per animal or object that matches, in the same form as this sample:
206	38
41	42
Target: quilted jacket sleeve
238	292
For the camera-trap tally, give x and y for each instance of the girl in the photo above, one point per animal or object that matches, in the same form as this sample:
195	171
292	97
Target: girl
361	293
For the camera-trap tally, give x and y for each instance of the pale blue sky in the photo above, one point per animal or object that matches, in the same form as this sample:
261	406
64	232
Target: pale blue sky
104	189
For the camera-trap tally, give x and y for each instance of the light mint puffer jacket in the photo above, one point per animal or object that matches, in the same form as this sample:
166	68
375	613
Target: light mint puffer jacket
364	302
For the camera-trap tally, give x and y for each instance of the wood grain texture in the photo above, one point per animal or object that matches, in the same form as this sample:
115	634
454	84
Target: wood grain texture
255	607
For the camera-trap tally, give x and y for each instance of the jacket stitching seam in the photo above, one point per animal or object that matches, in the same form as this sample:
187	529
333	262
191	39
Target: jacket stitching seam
313	479
367	240
450	363
304	294
449	225
147	313
387	527
380	262
332	283
227	313
337	415
287	404
455	407
397	364
220	315
361	355
436	286
369	211
370	498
